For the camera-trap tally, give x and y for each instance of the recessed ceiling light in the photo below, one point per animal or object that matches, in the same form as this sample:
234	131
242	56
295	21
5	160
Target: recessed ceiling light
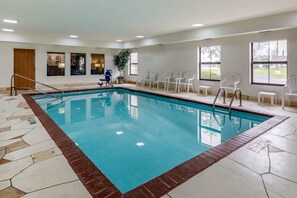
73	36
8	30
9	21
140	36
119	40
198	25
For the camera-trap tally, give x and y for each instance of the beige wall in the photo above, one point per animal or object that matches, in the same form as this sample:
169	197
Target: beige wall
6	63
234	58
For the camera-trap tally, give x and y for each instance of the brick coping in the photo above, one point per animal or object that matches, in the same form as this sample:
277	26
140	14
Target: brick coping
99	185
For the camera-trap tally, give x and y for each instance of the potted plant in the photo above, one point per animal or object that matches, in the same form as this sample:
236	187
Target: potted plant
121	60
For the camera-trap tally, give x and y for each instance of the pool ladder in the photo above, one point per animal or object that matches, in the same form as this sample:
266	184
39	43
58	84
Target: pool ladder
222	122
13	88
224	98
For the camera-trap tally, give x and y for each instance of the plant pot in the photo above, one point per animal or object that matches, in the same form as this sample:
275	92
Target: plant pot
120	81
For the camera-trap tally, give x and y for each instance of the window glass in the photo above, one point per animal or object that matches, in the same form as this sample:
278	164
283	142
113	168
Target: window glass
97	64
210	63
133	66
269	62
78	64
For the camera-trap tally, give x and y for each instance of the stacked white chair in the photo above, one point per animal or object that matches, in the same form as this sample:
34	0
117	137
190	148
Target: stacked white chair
164	79
140	79
151	77
187	81
174	80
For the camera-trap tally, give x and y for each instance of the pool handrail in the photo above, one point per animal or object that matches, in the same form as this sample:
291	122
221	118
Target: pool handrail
13	88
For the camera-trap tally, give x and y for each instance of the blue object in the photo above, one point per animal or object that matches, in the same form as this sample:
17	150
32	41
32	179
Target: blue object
107	78
134	137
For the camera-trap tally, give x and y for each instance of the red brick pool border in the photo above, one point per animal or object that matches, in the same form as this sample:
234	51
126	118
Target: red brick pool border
99	185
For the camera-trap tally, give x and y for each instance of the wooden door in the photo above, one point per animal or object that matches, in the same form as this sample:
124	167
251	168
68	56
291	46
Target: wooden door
24	64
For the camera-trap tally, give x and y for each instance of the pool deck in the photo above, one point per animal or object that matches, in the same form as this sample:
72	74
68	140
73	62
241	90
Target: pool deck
31	164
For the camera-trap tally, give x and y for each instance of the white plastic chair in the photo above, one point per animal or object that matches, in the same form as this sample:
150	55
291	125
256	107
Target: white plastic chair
230	81
140	79
292	88
150	78
163	79
174	80
187	81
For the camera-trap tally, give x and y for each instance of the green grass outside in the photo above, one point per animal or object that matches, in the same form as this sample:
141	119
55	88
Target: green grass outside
278	73
263	71
215	74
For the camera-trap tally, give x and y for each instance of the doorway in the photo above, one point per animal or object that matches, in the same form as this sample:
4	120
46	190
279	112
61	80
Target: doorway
24	65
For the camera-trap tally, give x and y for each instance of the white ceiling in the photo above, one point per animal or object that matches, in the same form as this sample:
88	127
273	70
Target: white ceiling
109	20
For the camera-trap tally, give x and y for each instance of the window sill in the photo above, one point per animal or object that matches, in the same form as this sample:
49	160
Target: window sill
278	85
209	80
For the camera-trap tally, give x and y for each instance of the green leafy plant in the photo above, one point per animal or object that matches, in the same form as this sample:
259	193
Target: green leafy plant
121	60
121	78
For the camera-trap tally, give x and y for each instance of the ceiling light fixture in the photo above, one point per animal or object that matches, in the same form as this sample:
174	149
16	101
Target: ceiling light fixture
198	25
9	21
73	36
119	40
140	36
8	30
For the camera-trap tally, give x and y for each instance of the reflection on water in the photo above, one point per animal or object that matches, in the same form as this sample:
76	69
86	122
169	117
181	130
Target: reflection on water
133	106
128	135
78	111
213	127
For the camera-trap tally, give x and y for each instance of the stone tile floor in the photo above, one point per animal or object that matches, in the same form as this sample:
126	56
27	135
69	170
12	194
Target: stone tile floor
31	165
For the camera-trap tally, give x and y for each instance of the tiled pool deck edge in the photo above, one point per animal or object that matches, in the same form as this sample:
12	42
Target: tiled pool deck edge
99	186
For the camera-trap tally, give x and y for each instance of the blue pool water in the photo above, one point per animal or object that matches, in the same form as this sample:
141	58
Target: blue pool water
134	137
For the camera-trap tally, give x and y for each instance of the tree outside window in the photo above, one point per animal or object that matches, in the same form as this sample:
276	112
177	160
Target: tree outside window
269	62
133	66
210	63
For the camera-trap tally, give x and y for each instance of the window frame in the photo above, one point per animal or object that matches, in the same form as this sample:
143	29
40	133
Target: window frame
94	56
134	64
208	63
83	55
266	62
52	53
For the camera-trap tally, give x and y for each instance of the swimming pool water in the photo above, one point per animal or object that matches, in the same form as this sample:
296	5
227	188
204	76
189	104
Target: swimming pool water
134	137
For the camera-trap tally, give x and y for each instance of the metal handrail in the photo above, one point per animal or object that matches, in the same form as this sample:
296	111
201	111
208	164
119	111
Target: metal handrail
234	95
218	93
12	87
224	98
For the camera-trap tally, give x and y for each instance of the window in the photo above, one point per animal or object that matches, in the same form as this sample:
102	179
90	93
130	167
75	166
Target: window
210	63
97	65
133	67
269	62
55	64
78	64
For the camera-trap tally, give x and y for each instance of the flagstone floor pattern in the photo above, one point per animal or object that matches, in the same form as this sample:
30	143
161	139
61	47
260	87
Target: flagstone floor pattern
32	166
